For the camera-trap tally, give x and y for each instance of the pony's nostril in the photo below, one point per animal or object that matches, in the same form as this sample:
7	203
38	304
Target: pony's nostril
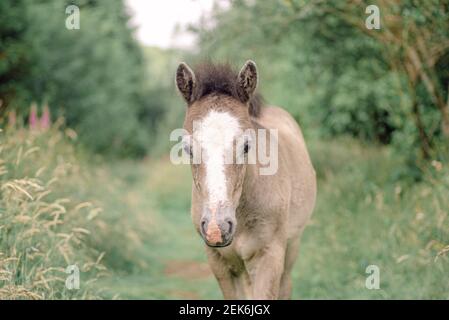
231	225
203	226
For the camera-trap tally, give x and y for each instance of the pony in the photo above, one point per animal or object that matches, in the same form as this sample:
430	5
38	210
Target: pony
251	221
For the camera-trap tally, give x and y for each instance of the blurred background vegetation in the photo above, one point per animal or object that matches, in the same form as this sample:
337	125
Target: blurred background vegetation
96	188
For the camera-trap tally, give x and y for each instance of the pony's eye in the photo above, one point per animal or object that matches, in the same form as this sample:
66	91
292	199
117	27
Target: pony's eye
188	149
246	147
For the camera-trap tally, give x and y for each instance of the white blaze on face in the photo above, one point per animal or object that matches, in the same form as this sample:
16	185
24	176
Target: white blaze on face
215	134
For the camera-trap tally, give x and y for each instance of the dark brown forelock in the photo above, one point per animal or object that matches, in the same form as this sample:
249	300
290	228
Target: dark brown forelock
221	78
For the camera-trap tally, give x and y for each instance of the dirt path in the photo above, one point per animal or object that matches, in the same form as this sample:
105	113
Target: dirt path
190	270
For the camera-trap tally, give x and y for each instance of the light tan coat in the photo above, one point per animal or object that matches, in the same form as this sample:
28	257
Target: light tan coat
269	212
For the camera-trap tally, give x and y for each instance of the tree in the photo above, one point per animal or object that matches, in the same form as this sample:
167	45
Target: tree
14	59
94	77
322	63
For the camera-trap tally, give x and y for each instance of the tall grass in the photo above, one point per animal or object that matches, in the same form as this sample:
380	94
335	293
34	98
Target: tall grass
365	216
42	230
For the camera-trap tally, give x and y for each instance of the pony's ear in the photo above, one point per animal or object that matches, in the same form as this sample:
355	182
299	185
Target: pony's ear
185	81
247	81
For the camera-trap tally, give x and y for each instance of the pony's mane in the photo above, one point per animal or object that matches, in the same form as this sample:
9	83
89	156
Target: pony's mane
221	78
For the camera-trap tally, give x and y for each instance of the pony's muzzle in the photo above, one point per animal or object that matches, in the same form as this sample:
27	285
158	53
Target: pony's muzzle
217	227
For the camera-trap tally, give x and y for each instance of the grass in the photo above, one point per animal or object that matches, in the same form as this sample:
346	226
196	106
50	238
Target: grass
42	231
141	222
363	217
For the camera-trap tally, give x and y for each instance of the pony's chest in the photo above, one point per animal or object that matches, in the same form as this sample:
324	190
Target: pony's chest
243	247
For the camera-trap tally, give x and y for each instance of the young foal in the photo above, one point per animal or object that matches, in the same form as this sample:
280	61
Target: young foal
250	222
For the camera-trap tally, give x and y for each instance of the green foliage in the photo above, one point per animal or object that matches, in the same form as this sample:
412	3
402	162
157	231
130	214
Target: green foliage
61	207
161	65
336	77
94	77
14	59
364	216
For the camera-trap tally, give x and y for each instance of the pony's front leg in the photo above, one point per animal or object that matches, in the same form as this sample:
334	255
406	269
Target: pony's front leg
265	269
222	274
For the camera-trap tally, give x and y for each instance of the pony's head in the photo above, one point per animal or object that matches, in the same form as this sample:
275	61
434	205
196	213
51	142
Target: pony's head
220	105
